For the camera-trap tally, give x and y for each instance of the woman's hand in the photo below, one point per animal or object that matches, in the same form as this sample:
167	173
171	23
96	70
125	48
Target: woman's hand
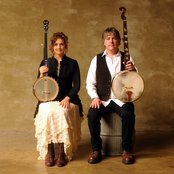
130	66
96	102
42	70
65	102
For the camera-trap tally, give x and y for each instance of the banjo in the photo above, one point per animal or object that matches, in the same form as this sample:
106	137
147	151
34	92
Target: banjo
45	88
127	85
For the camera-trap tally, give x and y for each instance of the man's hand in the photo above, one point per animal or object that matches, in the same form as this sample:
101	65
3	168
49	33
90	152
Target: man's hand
96	102
129	66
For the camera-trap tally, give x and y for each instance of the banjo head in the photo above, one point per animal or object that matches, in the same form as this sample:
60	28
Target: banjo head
127	86
45	89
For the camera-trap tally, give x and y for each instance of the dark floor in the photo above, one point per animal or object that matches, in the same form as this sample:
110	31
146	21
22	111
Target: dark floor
154	155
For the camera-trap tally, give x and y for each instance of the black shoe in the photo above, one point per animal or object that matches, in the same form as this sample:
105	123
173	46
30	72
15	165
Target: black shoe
94	157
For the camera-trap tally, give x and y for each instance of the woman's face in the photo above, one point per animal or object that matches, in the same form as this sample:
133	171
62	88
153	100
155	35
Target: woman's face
59	47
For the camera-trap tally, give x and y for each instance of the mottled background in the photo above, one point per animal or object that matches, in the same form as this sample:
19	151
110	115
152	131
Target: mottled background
151	42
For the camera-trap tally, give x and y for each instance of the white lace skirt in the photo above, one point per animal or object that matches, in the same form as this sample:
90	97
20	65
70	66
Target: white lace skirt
54	124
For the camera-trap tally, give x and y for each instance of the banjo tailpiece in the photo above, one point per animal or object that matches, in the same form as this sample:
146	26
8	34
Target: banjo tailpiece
45	88
127	86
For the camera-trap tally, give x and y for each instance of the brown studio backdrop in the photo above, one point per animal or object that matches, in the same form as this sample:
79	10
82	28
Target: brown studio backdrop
150	28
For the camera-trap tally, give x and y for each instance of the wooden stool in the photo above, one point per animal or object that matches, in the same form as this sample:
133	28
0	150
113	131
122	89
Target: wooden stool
111	134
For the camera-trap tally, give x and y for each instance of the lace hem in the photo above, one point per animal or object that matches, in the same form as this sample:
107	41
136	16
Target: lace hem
57	125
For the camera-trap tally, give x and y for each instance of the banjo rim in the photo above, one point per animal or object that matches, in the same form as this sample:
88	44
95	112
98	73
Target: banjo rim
140	79
35	89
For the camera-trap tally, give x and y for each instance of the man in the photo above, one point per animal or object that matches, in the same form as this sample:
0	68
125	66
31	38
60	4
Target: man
102	70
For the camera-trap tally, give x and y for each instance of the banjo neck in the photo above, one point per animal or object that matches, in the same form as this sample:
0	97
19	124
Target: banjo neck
125	35
45	52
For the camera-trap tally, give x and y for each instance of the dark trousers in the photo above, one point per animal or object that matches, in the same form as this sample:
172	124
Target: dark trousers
126	112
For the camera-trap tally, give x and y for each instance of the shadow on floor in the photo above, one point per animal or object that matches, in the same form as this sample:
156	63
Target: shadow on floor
149	142
84	148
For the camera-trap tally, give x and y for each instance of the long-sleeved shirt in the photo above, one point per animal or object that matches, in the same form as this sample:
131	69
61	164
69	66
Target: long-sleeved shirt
68	78
114	66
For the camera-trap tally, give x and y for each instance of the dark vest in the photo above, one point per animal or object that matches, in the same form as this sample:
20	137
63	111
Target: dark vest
103	77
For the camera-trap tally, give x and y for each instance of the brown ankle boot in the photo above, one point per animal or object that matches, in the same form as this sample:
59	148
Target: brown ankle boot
61	161
49	159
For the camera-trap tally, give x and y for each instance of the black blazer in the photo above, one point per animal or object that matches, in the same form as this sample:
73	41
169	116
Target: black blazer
68	79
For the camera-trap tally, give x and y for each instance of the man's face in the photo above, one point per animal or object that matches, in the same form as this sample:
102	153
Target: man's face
111	42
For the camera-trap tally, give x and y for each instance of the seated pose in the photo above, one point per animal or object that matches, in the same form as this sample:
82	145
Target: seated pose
102	70
58	122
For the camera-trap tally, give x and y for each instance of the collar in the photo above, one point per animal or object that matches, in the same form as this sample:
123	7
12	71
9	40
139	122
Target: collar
116	55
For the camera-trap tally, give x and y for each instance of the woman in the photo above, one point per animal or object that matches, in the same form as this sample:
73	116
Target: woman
58	122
